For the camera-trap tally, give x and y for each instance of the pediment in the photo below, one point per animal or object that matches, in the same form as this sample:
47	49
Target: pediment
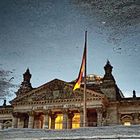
53	90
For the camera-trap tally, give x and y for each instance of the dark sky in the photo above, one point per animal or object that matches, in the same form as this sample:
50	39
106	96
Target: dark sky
48	36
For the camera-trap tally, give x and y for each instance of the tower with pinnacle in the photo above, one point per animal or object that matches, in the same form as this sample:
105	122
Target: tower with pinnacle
25	85
108	86
108	77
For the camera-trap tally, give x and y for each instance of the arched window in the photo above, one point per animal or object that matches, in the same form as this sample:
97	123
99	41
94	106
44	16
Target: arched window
7	124
126	120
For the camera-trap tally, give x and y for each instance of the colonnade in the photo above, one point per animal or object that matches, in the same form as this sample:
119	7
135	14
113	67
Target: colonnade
46	119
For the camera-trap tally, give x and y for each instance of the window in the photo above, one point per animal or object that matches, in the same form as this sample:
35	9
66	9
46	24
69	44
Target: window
58	121
76	120
127	123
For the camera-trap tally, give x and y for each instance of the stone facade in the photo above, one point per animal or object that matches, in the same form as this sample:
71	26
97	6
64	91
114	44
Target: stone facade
55	105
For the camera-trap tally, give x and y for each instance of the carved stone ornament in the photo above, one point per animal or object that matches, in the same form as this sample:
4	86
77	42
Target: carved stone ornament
65	111
80	110
47	112
53	115
31	113
100	110
15	114
70	115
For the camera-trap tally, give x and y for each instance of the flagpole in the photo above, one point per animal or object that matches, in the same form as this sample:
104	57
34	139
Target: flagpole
85	81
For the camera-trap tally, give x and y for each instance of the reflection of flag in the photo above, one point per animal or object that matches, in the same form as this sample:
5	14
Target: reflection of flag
82	70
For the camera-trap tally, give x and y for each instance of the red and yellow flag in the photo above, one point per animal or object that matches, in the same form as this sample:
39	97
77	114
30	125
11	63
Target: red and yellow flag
82	70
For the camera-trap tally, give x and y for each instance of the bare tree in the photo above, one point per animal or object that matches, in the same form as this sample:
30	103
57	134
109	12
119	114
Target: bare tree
6	85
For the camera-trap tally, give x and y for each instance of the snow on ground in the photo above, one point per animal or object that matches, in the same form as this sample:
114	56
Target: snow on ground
89	133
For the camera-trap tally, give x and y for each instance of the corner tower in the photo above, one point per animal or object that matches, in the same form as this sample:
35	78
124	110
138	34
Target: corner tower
108	77
108	86
25	85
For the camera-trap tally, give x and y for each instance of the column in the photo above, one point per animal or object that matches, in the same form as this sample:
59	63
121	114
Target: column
104	117
99	116
39	123
65	118
136	119
81	117
53	117
15	120
1	124
19	122
69	120
46	119
31	119
25	121
119	118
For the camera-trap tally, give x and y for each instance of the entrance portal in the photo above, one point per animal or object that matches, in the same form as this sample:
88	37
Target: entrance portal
92	117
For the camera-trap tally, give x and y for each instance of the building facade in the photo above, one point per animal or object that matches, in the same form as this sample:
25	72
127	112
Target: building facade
55	105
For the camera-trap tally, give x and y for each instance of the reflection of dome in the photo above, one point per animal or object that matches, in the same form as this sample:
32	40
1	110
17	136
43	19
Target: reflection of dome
92	78
97	78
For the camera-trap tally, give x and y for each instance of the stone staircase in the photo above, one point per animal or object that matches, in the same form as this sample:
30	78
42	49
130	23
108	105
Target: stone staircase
106	132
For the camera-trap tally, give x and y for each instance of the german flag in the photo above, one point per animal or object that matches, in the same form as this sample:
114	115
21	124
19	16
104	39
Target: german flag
82	69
